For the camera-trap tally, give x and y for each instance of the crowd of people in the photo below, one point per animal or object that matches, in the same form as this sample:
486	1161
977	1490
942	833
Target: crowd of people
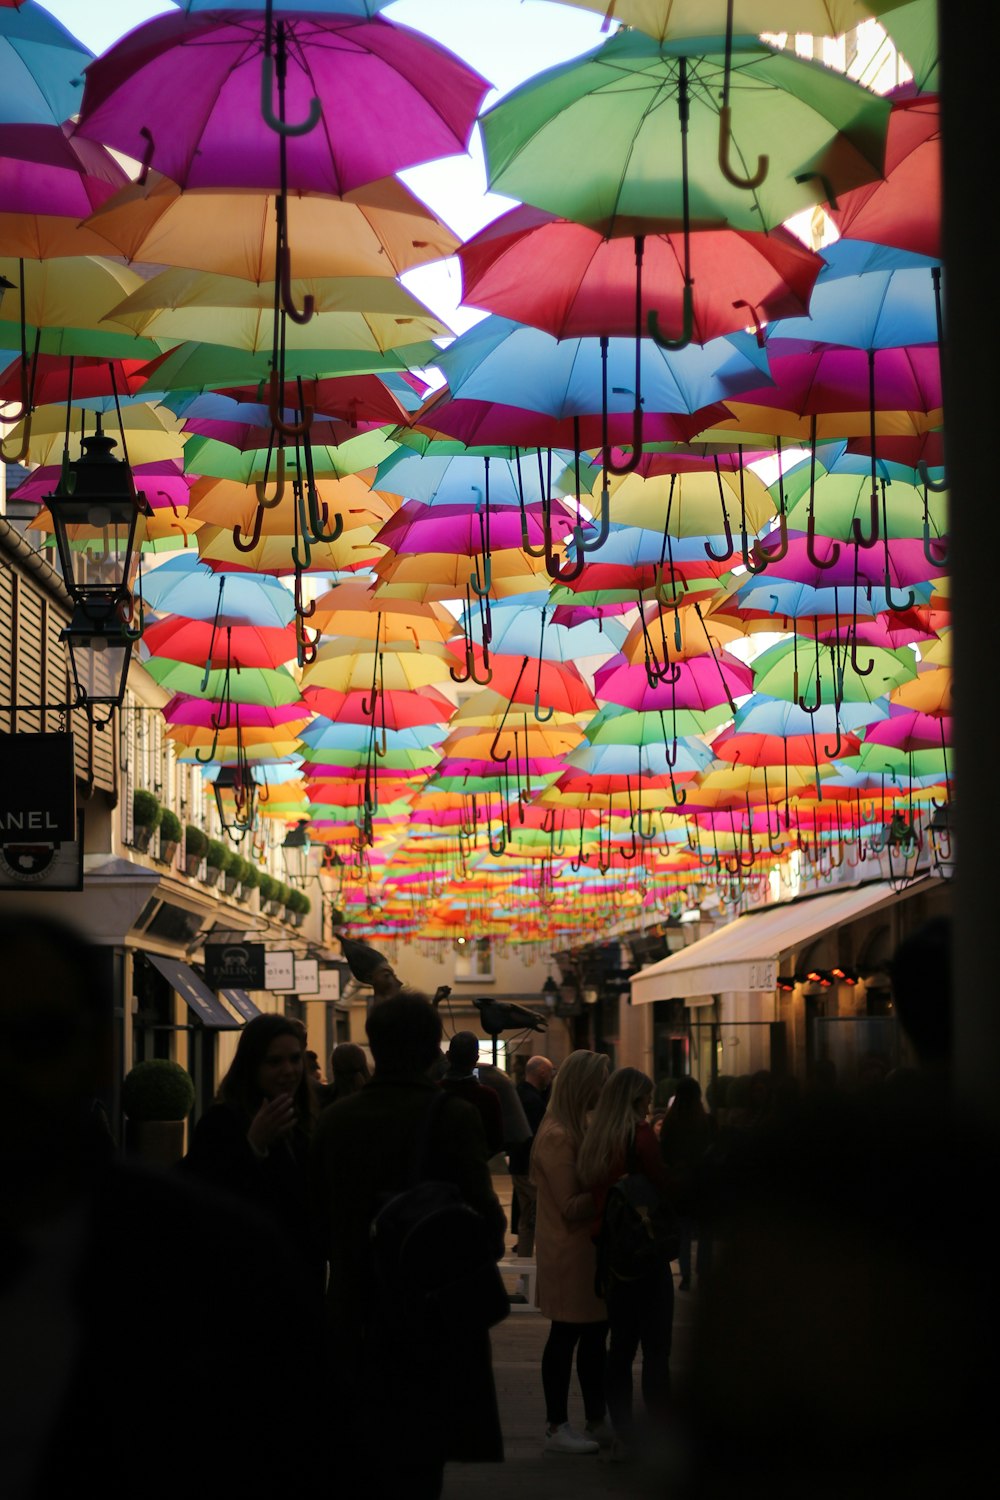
808	1223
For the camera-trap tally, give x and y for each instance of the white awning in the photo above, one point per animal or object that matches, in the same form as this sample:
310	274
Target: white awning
745	954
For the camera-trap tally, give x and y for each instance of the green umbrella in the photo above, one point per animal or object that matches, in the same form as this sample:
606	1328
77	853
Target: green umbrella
260	685
195	366
614	725
799	669
222	461
616	112
841	499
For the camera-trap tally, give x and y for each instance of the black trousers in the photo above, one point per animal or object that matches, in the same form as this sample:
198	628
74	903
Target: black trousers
640	1313
588	1339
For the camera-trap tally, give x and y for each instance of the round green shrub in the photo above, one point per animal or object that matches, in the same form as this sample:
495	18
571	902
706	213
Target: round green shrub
297	901
195	841
146	809
282	893
158	1090
218	855
170	827
252	876
268	887
238	868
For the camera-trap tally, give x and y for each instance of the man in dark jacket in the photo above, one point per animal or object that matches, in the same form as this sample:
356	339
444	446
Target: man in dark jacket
407	1404
460	1079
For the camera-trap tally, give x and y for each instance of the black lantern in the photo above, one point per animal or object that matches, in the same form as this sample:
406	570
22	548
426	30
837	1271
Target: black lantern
941	830
99	652
296	851
235	794
98	520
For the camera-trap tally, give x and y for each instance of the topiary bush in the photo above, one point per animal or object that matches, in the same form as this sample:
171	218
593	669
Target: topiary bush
238	868
170	827
158	1090
195	841
218	855
268	886
252	877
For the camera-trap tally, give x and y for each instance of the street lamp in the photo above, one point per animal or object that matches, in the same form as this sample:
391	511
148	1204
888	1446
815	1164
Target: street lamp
942	838
99	650
235	793
296	851
98	520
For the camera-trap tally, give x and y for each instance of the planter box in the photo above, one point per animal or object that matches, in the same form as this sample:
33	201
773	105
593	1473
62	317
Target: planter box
192	865
212	875
141	835
168	851
230	884
272	908
157	1143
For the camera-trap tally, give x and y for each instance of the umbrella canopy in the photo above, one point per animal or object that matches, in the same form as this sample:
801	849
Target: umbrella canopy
360	71
41	65
610	110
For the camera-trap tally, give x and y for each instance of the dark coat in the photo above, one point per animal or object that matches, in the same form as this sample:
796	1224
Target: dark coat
277	1184
182	1308
436	1399
486	1101
534	1104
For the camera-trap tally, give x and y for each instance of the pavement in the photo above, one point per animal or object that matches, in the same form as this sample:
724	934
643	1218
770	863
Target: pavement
528	1472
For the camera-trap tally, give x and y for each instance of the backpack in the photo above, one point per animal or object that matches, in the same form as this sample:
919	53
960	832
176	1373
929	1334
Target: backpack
432	1258
638	1233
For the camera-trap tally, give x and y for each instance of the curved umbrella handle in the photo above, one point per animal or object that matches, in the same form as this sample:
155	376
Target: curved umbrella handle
630	464
25	444
274	407
604	525
541	718
897	606
496	849
941	542
858	532
525	539
287	300
730	546
811	553
758	322
249	543
762	554
555	570
725	166
482	589
672	346
319	515
269	502
275	122
832	751
482	681
457	676
856	668
815	707
937	486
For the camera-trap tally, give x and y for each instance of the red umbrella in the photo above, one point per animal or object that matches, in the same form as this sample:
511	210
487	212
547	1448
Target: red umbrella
488	423
202	643
401	709
91	377
352	398
571	281
903	208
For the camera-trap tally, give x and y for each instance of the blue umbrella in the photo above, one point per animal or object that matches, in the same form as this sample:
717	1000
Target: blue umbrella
182	585
761	714
868	297
42	68
506	362
455	479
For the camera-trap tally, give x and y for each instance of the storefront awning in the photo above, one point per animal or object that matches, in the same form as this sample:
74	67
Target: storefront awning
745	954
195	993
241	1003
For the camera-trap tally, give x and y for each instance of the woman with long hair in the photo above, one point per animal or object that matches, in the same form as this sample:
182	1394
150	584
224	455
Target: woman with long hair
620	1140
565	1256
253	1141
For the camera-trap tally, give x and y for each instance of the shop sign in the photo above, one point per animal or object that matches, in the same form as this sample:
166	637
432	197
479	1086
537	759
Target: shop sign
236	966
279	972
37	789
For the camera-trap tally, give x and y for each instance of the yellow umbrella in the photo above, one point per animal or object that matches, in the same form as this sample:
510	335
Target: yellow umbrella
370	313
765	423
226	502
478	744
342	666
47	236
152	433
927	693
446	574
694	500
661	624
273	554
379	230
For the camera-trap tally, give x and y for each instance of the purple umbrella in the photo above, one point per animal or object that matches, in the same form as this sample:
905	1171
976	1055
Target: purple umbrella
43	172
699	682
162	483
183	93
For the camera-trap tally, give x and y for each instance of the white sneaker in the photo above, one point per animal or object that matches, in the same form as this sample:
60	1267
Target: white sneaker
601	1433
563	1439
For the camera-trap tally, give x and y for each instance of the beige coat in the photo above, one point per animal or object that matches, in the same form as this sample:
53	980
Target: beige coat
564	1251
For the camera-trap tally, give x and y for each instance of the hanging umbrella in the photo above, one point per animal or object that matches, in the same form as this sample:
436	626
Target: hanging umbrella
868	297
417	528
796	671
259	685
50	374
609	110
352	398
388	98
396	709
64	302
570	281
201	642
184	586
43	172
381	230
701	682
163	485
344	667
904	208
458	478
42	67
351	610
153	434
193	365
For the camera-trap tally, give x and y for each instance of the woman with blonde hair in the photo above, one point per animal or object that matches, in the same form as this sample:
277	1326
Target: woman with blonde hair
620	1141
565	1256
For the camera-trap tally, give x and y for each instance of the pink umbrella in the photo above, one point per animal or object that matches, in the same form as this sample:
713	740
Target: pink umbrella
162	483
488	423
829	379
906	729
200	712
185	93
419	528
42	171
699	682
